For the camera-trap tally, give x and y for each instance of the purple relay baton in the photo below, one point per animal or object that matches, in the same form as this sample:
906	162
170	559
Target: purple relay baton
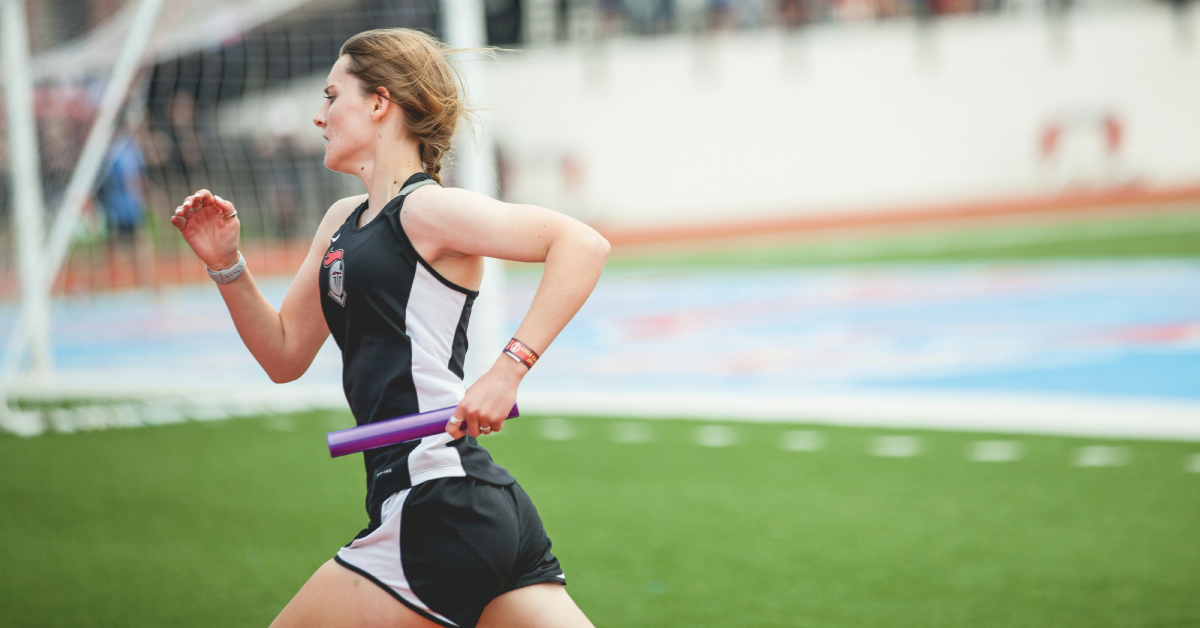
392	431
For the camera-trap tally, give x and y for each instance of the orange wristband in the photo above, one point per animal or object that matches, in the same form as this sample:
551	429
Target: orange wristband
521	353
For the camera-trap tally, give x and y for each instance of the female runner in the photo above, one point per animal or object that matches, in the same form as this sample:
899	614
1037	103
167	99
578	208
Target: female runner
452	538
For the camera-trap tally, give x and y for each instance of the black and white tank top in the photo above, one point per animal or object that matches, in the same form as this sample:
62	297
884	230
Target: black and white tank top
402	329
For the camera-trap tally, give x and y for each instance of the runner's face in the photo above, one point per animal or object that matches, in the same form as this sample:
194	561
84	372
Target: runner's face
345	121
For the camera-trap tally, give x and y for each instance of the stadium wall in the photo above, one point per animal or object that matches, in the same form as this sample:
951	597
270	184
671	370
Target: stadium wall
872	120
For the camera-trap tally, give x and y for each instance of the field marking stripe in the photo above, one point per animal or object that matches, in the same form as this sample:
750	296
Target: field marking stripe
1095	416
1018	414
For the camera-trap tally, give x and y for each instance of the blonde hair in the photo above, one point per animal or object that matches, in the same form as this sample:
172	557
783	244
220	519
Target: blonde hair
415	69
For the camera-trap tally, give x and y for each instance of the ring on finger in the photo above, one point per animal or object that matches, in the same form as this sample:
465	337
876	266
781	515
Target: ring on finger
486	429
455	421
230	215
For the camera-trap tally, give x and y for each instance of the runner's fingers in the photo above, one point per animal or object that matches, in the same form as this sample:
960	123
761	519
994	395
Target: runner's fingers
455	427
195	208
225	206
474	422
204	197
197	202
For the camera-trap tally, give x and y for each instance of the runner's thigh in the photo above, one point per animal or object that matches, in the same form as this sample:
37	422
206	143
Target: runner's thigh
544	605
337	597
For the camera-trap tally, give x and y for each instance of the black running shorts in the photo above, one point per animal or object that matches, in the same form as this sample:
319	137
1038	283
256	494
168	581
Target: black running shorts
448	547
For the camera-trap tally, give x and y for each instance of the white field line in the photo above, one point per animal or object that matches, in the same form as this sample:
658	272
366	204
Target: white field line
1101	456
803	440
1192	464
296	393
953	411
995	451
716	436
896	446
1015	414
104	407
557	429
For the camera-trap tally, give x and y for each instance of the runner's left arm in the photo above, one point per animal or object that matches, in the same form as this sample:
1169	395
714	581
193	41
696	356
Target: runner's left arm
449	222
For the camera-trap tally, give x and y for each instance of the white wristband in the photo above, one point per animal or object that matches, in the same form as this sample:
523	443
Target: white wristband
229	274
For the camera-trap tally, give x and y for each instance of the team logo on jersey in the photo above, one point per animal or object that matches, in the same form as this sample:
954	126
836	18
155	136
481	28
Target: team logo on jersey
337	276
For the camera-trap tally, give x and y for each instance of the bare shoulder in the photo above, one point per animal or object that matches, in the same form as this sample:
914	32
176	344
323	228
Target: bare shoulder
432	205
428	197
341	209
337	214
443	222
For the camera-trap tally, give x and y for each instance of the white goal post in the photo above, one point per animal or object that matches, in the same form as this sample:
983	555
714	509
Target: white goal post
39	266
464	27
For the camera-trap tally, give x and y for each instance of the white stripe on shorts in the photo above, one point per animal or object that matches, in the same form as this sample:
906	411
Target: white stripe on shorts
378	554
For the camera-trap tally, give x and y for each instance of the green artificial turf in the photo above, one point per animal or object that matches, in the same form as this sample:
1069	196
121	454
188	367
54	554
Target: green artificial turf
218	524
1154	234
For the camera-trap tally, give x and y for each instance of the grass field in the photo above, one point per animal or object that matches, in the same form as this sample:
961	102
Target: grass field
219	523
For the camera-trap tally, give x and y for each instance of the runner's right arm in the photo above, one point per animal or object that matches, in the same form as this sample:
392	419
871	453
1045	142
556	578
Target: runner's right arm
285	341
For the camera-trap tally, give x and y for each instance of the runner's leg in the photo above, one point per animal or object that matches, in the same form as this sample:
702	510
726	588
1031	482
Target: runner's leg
337	597
545	605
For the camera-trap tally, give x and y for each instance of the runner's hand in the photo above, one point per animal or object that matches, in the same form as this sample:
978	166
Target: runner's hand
488	401
203	220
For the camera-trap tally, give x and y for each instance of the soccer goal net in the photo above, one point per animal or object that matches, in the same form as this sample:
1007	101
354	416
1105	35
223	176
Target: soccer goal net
115	110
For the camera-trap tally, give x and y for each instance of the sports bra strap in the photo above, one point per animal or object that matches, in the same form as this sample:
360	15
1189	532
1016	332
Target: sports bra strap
404	191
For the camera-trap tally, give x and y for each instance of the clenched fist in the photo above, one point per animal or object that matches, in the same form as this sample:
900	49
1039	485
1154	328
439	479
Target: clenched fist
210	226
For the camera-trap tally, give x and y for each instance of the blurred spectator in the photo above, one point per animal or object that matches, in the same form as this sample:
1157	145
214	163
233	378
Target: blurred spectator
183	162
649	17
503	22
277	151
59	148
122	193
5	199
182	114
749	13
1057	7
573	173
1182	9
657	16
122	199
854	10
612	17
793	13
720	15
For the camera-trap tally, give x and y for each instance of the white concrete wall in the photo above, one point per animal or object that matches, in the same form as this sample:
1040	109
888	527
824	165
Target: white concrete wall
681	130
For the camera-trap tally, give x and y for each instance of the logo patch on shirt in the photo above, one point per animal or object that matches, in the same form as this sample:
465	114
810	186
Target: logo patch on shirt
337	276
